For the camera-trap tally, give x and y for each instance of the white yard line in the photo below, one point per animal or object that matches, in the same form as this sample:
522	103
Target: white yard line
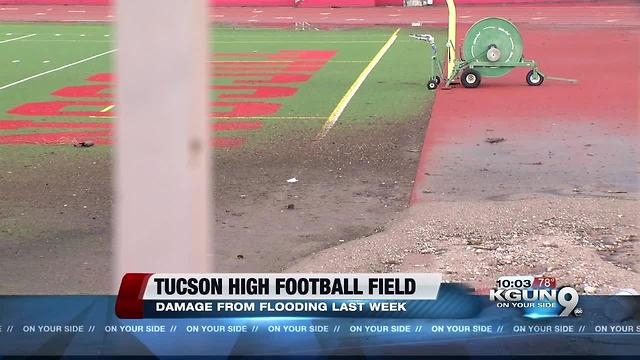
18	38
299	41
310	117
57	69
335	115
108	108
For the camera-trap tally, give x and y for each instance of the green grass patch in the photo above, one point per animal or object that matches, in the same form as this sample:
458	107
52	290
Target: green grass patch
394	91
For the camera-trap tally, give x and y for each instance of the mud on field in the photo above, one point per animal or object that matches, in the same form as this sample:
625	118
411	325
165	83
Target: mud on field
350	184
55	204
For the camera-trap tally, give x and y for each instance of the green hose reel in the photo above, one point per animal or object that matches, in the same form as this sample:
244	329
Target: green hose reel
492	47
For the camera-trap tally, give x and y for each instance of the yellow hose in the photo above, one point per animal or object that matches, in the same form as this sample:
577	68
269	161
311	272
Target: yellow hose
451	43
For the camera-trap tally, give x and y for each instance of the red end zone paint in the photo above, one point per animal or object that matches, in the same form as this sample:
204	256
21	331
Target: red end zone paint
245	109
558	136
59	138
104	77
269	78
28	124
84	91
55	108
289	60
258	91
325	55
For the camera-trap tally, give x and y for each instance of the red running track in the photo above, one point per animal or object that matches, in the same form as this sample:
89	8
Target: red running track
623	13
560	138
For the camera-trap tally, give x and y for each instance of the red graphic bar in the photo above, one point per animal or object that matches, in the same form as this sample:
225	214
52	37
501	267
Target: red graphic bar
129	303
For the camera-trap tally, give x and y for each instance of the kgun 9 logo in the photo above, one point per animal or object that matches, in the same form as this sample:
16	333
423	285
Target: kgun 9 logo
567	297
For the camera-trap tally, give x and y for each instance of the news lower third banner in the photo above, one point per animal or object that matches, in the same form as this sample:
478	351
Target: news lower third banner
322	314
225	295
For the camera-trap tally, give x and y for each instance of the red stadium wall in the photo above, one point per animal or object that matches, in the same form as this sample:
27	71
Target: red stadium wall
336	3
257	3
480	2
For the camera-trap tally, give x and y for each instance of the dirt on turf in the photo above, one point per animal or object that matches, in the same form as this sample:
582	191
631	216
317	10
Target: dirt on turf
349	185
55	219
55	209
591	243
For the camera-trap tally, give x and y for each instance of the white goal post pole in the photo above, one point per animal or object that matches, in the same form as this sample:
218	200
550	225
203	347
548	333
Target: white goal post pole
162	138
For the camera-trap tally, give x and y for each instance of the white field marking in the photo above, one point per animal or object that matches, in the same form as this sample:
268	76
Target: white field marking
243	117
15	61
348	61
83	35
279	61
57	69
300	41
335	115
18	38
464	16
394	14
72	40
85	20
270	117
108	108
58	34
39	14
252	61
76	11
46	61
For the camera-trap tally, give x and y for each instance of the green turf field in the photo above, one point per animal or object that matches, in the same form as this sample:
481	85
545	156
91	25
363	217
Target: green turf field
45	64
273	90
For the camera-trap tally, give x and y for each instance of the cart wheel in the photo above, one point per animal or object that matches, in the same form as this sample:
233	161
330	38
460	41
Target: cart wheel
437	80
534	79
470	78
432	84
